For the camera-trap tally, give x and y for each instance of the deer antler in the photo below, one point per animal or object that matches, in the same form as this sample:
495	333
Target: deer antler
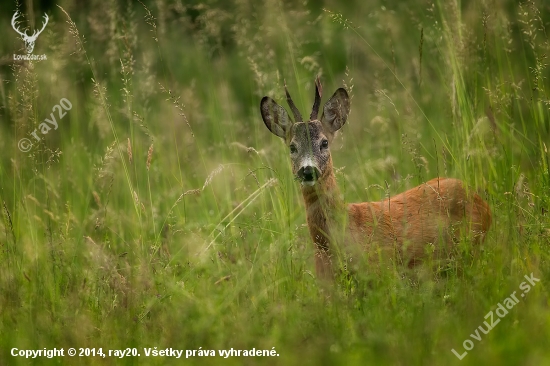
14	25
36	33
295	111
317	103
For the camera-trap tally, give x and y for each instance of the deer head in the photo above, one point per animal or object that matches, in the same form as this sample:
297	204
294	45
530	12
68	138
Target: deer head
29	40
308	142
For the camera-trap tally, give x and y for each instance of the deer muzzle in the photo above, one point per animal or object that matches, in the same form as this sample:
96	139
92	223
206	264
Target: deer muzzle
308	175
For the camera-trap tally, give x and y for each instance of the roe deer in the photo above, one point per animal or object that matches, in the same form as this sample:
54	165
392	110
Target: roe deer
431	216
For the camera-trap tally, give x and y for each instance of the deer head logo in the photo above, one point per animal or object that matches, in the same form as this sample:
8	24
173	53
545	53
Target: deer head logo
29	40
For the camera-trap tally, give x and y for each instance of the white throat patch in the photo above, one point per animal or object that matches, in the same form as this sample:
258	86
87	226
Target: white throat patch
309	183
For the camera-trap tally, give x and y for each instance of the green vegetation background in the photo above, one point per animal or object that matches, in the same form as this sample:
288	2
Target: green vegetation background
162	213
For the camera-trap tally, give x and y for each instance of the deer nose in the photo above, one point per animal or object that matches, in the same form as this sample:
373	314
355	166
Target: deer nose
308	173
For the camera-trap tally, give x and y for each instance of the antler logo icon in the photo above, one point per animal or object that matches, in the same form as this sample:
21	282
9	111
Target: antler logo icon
29	40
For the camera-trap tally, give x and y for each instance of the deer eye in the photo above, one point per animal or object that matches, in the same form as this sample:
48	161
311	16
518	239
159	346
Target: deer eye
293	148
324	144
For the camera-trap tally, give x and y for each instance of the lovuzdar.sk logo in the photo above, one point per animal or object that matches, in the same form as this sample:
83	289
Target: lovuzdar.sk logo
28	39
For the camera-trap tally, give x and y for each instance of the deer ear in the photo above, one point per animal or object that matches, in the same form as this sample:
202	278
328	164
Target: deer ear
275	117
336	110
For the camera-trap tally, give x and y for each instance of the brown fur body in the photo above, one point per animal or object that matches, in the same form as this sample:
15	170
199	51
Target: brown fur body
435	213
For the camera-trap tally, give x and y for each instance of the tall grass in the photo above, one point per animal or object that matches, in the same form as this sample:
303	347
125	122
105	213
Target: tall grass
161	213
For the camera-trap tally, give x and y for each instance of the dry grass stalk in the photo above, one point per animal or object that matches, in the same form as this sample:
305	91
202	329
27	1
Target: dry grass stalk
212	175
149	156
129	150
